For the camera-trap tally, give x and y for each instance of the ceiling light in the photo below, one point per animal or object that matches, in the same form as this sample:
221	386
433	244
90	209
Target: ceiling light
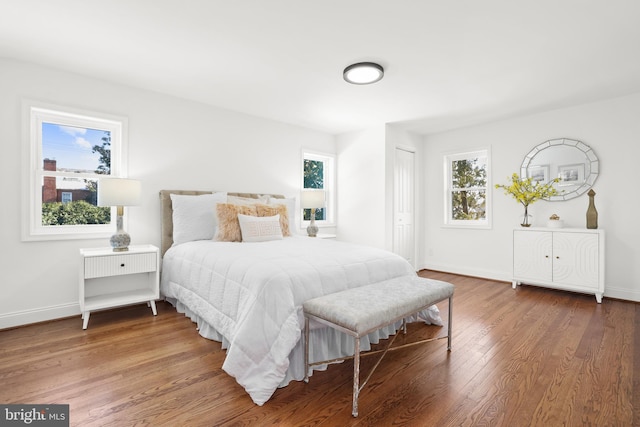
363	73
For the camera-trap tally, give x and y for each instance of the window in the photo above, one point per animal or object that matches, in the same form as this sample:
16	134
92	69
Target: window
467	195
68	151
318	172
67	197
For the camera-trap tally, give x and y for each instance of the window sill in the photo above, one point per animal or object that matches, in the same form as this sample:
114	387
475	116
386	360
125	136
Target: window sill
40	237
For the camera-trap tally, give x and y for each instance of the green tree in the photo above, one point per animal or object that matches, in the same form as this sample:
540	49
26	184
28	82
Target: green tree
105	154
469	201
314	178
313	174
104	168
74	213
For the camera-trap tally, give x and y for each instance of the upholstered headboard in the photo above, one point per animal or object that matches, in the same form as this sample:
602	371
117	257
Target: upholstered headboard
166	221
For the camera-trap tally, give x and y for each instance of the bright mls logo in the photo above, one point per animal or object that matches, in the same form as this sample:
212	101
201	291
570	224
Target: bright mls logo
34	415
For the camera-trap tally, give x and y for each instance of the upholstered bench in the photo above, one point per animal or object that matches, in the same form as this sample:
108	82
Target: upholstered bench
360	311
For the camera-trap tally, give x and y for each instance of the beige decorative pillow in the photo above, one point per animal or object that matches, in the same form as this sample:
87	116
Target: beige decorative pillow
260	229
290	203
228	225
272	210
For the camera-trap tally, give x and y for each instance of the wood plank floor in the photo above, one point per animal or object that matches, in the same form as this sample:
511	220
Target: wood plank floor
525	357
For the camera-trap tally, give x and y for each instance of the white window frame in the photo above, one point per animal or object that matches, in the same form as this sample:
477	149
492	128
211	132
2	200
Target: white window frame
34	114
448	189
329	183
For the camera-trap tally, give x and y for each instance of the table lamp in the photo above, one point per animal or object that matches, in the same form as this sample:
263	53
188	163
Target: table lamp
119	192
312	199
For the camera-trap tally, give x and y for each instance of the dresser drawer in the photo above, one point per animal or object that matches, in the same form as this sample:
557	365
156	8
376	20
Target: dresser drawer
116	265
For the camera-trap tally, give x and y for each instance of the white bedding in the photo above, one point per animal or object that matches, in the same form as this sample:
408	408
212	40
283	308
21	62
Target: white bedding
249	296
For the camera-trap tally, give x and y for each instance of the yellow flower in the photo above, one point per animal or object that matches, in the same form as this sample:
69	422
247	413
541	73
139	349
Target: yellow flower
527	191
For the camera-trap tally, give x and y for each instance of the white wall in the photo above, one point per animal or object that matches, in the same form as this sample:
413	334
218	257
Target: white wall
366	165
395	138
361	189
173	144
366	162
611	128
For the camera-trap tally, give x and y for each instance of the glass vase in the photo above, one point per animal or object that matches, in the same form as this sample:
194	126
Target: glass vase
525	219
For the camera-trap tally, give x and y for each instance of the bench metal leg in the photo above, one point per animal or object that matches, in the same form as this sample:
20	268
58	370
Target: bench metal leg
356	377
449	332
306	349
357	387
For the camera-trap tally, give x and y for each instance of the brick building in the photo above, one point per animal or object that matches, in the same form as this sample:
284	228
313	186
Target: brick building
52	194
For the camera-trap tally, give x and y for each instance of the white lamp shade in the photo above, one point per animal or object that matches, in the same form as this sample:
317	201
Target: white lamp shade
119	192
312	199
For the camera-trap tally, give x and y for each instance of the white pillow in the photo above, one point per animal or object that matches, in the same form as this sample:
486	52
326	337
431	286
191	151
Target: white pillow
290	203
194	217
260	228
243	201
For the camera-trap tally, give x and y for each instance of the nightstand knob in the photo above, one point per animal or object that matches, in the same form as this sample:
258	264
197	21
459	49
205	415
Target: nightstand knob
122	265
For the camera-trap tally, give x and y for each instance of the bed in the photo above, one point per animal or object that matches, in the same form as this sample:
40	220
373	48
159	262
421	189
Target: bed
249	294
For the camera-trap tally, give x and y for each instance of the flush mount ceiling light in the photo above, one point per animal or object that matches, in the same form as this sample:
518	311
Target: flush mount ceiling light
363	73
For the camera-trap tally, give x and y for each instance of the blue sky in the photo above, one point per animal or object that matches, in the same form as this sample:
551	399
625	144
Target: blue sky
71	146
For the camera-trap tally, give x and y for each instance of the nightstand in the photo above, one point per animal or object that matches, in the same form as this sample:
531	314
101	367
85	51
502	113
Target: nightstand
111	279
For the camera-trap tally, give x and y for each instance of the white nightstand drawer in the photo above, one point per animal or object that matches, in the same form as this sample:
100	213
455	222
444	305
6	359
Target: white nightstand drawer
116	265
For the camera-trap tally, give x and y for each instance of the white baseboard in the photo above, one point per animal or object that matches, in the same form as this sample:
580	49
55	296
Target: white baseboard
610	291
624	294
475	272
21	318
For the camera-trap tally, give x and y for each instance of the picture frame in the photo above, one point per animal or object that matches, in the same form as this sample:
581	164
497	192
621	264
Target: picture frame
571	174
539	173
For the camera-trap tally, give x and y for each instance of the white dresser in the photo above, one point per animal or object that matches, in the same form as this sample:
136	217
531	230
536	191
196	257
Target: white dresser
570	259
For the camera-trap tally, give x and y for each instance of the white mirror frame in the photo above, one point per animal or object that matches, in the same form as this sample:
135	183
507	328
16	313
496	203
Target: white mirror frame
590	161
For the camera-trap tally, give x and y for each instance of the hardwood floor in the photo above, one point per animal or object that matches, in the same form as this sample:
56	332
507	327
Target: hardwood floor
525	357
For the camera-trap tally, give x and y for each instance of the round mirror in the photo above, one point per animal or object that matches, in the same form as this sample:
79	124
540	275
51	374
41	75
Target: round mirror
572	161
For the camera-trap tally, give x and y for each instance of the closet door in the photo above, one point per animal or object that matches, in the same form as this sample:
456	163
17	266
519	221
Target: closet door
404	242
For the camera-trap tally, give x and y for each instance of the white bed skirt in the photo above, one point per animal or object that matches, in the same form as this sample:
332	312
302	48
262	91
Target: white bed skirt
325	343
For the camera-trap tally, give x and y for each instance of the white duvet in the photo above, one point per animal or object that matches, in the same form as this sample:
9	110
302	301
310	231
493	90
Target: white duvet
249	296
